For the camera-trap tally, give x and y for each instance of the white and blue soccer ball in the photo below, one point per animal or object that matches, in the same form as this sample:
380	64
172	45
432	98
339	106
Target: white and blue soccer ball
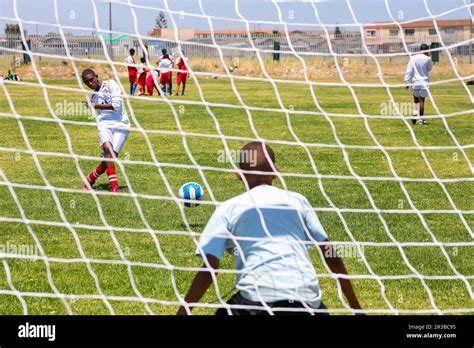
191	191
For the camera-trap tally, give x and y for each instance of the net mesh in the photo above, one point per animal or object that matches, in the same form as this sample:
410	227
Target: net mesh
439	278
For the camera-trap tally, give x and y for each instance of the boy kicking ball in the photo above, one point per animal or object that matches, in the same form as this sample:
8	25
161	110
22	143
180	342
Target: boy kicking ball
112	122
267	230
417	75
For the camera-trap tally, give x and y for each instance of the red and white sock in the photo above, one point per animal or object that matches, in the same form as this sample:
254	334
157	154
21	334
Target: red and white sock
112	176
95	174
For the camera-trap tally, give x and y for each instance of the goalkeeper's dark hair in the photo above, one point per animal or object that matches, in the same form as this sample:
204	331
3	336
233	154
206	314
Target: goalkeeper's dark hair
258	151
87	72
424	47
132	51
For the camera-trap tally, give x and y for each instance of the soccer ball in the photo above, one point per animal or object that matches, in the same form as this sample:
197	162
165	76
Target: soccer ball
191	191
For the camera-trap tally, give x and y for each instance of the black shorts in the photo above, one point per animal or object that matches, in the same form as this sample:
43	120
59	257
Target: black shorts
237	299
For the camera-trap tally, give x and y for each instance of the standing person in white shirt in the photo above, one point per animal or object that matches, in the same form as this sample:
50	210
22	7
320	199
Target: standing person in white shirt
417	75
267	230
163	52
132	71
112	122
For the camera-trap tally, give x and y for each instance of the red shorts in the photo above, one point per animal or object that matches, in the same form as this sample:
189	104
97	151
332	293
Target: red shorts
142	79
181	77
132	74
150	83
165	77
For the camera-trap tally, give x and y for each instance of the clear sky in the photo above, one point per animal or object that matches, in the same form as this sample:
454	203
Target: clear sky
331	12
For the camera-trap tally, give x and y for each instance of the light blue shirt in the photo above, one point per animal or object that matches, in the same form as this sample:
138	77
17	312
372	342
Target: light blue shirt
268	230
418	71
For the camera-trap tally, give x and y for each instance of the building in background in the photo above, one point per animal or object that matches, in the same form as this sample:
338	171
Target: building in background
386	37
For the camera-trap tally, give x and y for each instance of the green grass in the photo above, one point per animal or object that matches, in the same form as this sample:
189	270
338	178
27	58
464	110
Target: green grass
128	236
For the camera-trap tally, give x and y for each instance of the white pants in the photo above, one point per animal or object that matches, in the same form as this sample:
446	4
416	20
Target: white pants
116	137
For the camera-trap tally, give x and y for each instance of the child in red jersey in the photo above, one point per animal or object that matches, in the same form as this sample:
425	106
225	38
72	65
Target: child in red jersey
142	76
182	75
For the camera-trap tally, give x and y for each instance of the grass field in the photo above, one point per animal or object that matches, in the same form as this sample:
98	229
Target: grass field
147	264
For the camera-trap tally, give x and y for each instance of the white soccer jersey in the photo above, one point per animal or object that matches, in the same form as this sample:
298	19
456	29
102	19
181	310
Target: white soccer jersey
110	93
418	71
161	57
130	60
268	244
165	65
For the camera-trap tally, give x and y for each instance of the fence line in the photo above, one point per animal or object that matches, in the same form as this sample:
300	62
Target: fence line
349	44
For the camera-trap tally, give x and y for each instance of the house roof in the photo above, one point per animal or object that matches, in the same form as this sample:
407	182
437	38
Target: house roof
237	32
420	24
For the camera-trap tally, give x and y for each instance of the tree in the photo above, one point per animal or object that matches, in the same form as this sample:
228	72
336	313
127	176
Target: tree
12	34
337	31
12	30
160	21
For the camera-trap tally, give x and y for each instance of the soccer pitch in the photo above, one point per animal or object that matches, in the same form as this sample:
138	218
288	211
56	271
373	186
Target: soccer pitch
157	269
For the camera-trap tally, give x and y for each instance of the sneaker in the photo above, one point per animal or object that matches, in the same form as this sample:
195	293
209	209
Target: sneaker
113	189
413	120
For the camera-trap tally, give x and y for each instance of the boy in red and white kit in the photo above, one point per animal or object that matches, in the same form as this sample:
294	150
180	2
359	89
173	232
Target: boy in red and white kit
166	64
142	76
150	82
132	71
182	75
112	122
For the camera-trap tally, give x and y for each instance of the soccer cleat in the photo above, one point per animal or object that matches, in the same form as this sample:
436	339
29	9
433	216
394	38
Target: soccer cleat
88	187
423	122
413	120
113	189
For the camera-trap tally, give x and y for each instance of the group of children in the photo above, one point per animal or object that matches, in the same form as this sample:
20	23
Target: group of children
160	78
113	122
